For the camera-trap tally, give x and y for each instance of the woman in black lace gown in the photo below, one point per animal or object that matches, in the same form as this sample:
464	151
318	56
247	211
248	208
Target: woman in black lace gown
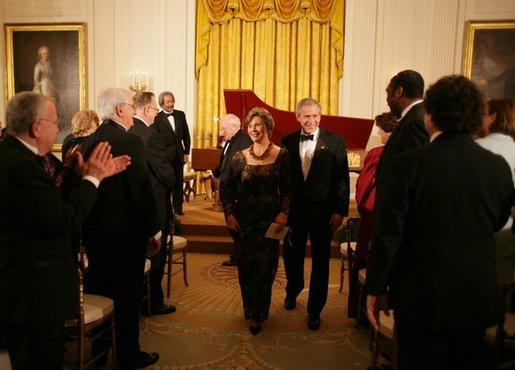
256	194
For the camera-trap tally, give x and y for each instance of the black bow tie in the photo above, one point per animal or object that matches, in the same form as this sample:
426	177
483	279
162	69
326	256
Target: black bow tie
169	114
307	137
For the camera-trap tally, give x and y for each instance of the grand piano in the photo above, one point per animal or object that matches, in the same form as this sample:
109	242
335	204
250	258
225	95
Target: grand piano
355	131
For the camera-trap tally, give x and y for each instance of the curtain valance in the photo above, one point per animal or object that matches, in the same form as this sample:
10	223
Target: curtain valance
321	11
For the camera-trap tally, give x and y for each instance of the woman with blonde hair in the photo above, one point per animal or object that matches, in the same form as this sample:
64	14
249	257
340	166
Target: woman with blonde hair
84	123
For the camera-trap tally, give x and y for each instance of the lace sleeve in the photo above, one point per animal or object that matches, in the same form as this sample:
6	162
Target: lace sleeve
230	186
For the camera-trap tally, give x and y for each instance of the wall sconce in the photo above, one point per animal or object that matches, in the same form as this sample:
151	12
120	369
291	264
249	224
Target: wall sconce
138	81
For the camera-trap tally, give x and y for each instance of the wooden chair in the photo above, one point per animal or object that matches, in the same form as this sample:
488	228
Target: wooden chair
362	276
146	286
94	320
348	249
384	341
176	255
190	182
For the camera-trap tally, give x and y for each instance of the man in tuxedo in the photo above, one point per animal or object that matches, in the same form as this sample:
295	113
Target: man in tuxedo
120	226
38	277
162	177
404	97
433	244
235	140
171	124
319	201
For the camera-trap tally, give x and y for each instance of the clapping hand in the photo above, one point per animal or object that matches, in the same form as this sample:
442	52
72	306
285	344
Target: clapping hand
101	163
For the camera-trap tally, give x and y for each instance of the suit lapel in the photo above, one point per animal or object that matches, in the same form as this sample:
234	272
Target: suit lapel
321	145
295	153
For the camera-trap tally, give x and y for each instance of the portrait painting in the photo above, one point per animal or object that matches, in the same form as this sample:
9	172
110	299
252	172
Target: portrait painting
49	59
489	57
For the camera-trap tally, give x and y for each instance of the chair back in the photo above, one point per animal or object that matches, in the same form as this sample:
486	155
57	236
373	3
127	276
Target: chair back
95	318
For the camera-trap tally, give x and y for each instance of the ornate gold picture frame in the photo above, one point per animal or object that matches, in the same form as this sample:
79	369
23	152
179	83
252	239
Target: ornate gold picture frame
50	59
489	56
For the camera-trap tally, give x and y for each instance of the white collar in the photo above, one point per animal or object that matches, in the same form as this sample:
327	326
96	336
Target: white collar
407	109
28	146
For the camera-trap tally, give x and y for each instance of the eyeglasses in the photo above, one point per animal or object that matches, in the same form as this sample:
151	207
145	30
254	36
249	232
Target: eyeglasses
130	105
156	109
49	120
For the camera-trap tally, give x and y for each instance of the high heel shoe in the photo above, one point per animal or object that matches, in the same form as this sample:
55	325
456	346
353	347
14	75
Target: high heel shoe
255	328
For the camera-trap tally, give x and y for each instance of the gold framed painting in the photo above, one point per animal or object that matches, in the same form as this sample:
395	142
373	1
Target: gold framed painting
489	57
49	59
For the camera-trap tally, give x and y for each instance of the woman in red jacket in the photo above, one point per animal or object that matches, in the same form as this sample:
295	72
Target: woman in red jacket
365	197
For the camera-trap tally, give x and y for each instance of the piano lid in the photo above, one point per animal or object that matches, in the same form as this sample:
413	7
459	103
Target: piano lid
355	131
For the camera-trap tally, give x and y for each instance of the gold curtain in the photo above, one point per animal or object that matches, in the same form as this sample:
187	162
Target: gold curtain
284	50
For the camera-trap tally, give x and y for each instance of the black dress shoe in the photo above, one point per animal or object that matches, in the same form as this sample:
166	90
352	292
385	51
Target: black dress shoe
255	329
290	303
164	309
229	263
313	322
146	359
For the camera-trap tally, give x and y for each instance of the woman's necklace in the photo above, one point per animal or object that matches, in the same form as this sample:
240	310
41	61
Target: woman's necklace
263	156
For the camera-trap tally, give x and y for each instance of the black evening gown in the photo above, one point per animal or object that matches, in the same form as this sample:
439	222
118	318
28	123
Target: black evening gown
255	194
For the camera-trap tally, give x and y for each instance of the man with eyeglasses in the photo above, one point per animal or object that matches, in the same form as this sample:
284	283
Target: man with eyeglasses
119	227
163	180
38	278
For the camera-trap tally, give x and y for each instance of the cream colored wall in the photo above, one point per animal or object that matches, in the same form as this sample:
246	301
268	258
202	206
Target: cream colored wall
158	36
155	36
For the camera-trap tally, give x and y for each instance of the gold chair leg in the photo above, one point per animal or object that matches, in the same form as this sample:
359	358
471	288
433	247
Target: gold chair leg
184	268
113	344
342	275
169	269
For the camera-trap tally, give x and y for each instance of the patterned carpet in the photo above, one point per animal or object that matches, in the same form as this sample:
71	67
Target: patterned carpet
208	330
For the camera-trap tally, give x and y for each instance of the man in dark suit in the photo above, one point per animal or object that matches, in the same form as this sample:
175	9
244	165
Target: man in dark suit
433	239
120	225
319	201
172	125
38	278
163	180
235	140
404	97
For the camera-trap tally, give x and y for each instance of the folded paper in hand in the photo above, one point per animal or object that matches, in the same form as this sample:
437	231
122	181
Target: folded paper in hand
273	232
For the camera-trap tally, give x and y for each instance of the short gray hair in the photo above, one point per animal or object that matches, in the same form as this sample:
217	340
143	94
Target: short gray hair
306	101
109	98
232	120
22	110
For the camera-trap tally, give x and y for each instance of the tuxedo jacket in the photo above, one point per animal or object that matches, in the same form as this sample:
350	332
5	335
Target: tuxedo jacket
162	174
177	142
326	188
126	204
241	140
410	133
38	276
433	234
